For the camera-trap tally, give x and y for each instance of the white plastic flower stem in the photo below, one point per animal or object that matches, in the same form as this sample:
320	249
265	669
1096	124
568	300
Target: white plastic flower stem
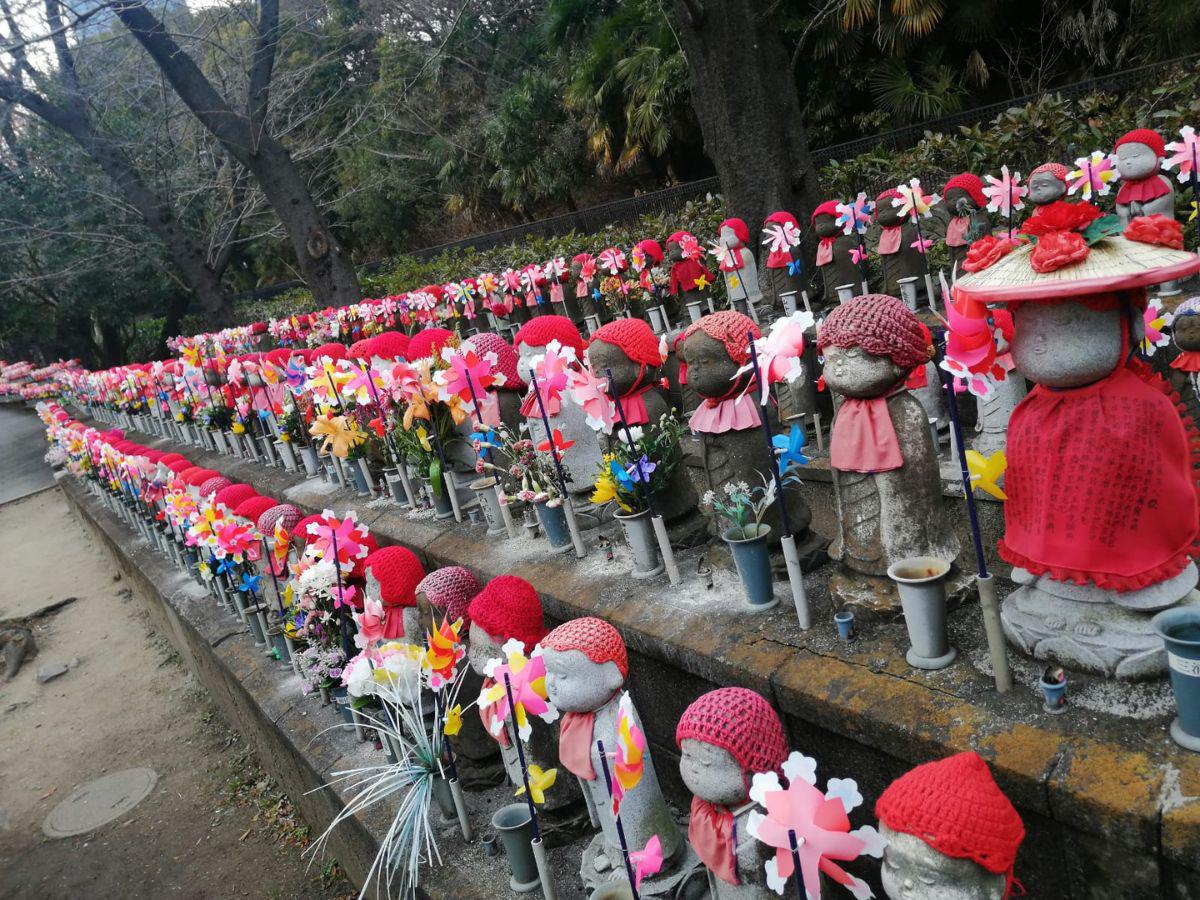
797	874
660	527
787	540
545	875
984	581
617	819
572	524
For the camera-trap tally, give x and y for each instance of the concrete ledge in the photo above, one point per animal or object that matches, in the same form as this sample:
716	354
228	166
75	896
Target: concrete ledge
1111	806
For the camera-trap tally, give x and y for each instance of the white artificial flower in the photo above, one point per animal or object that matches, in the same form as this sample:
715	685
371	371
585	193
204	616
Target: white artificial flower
762	784
875	842
846	790
358	677
800	766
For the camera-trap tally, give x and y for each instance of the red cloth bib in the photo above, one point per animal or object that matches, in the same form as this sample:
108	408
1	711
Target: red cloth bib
710	832
1187	361
956	231
1100	485
1140	191
825	252
575	744
889	240
864	438
633	405
732	414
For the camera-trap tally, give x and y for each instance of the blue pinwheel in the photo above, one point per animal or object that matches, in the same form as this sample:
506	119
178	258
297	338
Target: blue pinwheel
795	267
249	584
225	565
596	294
790	448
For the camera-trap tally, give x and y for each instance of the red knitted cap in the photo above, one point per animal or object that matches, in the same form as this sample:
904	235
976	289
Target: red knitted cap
540	331
361	349
333	351
881	325
428	342
167	458
783	217
594	638
728	326
390	345
955	807
235	494
740	721
889	194
740	229
398	572
300	531
828	208
214	484
280	514
253	507
634	338
450	590
180	466
972	184
196	477
1147	136
1058	170
506	357
652	249
678	236
508	607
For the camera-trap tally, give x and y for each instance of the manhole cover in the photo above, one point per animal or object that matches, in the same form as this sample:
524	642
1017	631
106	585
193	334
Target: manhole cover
99	802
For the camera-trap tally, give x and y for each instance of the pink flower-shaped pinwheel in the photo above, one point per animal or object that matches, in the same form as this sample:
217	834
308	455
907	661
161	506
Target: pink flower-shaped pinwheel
612	260
590	393
922	245
647	861
512	279
527	680
857	216
690	247
913	201
555	269
1005	193
857	255
1093	175
1184	154
780	237
818	823
370	624
1156	322
347	534
551	370
234	541
470	373
779	351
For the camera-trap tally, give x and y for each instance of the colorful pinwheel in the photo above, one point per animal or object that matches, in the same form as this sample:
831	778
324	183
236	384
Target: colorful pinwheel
612	260
347	534
444	651
855	217
913	201
1156	321
539	783
470	374
629	762
1184	155
1093	175
552	370
780	237
589	392
527	681
1005	193
779	352
790	448
647	861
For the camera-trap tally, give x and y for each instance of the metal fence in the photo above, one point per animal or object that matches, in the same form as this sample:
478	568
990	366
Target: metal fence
630	209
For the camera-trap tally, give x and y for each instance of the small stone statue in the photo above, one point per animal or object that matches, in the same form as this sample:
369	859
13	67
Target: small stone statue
502	403
690	279
1145	191
1185	368
783	269
509	608
1047	184
951	833
885	468
586	668
835	253
967	203
392	577
738	267
724	738
647	258
897	244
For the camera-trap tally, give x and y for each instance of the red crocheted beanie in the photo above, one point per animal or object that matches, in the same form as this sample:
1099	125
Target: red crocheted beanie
167	458
398	572
179	466
955	807
740	229
828	208
332	350
677	236
196	477
428	342
783	217
280	514
234	494
1058	170
508	607
212	485
594	638
540	331
300	533
880	324
634	338
1147	136
739	721
450	590
506	357
361	349
730	328
390	345
653	250
886	198
972	184
253	508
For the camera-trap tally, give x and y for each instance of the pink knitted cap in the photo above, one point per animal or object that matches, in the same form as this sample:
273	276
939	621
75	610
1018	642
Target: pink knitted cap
593	637
731	328
280	514
739	721
212	485
450	590
506	357
881	325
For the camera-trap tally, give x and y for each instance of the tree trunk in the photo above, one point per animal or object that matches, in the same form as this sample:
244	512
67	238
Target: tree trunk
325	267
745	98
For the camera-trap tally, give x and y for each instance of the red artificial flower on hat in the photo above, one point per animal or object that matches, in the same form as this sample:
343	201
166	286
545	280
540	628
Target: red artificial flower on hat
987	251
1155	229
1061	216
1056	249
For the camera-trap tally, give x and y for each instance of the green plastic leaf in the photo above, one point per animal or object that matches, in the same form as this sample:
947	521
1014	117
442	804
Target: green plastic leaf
435	477
1105	226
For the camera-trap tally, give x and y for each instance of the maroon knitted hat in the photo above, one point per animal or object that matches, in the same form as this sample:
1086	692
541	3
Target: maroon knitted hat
881	325
972	184
508	607
214	484
254	507
450	590
506	357
594	638
235	494
730	328
428	342
540	331
280	514
398	572
634	338
739	721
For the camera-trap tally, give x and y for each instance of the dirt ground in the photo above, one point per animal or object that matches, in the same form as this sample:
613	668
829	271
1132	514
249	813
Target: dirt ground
213	826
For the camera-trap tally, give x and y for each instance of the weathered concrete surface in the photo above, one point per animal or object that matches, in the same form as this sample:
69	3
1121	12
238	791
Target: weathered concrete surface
1112	807
22	444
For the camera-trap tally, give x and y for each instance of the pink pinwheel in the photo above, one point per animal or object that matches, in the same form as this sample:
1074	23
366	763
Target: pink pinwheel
818	823
589	392
913	201
1156	322
779	352
977	352
587	266
1005	193
551	371
232	540
780	237
690	247
422	301
629	763
1093	175
921	244
612	260
526	680
363	385
857	255
369	623
637	257
347	534
722	254
856	216
648	861
512	280
1184	154
531	279
555	269
469	375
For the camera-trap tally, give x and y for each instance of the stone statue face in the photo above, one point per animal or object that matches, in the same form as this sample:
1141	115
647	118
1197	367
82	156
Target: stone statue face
373	589
625	371
674	252
1187	332
959	202
912	870
728	238
576	268
1045	188
711	773
524	354
853	372
887	214
1136	161
576	684
482	648
411	619
710	370
1065	345
826	226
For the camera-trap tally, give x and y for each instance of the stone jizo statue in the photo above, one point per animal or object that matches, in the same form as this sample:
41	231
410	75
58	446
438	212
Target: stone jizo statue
1144	190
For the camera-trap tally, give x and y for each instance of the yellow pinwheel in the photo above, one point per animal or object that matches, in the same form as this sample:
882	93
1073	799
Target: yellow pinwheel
454	720
986	471
539	783
338	434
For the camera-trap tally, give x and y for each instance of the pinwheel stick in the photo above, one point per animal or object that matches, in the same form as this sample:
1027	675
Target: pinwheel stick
387	435
271	568
862	263
572	524
1196	189
796	873
660	527
539	849
204	378
617	819
985	581
787	541
460	806
447	480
